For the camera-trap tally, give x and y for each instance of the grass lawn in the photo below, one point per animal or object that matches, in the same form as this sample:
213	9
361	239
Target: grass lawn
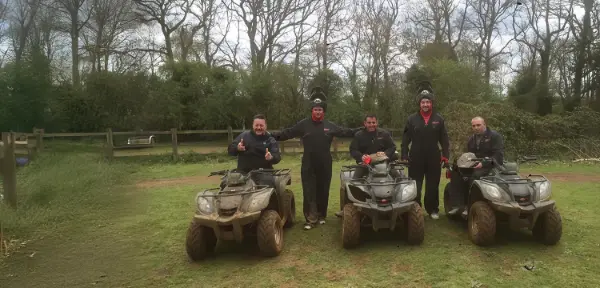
84	223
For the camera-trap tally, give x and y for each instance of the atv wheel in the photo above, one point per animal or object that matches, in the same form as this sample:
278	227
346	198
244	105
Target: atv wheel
548	227
270	233
200	241
482	224
415	225
290	206
350	226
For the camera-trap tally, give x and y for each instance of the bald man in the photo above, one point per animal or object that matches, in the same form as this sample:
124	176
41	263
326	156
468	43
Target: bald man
483	143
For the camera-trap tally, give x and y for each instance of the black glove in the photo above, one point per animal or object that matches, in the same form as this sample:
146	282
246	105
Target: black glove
276	135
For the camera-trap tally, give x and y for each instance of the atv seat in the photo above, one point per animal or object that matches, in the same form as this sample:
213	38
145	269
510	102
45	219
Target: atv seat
510	168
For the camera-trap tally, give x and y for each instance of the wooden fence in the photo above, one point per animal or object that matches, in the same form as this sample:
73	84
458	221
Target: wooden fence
30	144
111	147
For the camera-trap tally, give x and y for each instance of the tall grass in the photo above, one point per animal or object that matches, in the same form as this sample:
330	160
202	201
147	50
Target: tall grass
59	187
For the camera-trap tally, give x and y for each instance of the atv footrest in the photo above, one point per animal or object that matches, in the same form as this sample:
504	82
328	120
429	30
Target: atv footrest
228	227
384	217
523	216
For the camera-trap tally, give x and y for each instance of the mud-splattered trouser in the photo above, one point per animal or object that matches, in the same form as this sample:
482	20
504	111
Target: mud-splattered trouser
316	180
459	186
430	168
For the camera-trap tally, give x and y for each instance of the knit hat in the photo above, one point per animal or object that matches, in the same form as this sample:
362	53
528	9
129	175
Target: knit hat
318	98
425	91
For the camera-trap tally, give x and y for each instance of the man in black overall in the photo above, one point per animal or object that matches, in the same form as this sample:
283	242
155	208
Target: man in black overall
316	135
425	129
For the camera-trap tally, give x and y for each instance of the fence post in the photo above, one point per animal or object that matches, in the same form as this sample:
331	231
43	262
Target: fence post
39	140
230	133
109	144
9	169
335	145
174	144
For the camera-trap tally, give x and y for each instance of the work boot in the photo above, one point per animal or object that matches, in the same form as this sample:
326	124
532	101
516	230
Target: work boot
322	221
434	216
453	211
339	214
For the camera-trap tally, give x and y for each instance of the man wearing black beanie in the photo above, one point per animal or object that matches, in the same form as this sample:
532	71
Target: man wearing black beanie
425	129
316	135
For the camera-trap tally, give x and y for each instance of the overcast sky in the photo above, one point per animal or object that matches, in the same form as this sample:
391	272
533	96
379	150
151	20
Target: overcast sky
240	30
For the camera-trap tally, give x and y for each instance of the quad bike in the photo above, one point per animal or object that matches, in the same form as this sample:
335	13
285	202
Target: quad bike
384	199
243	207
504	196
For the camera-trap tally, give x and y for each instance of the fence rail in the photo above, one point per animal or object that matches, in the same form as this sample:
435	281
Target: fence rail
110	146
32	143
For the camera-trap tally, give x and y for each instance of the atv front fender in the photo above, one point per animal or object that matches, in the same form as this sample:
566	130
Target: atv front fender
220	224
523	216
258	201
349	194
384	217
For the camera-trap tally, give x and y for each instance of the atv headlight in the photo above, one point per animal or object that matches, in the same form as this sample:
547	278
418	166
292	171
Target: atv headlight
545	190
409	192
205	205
491	192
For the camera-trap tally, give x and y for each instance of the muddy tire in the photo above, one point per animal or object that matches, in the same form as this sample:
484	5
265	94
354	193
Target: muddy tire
350	226
415	225
200	241
270	234
290	206
548	227
482	224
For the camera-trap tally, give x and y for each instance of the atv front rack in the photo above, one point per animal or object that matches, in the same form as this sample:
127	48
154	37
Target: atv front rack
364	182
494	179
258	188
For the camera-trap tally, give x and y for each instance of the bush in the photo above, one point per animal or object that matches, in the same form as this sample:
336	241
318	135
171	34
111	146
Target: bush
526	133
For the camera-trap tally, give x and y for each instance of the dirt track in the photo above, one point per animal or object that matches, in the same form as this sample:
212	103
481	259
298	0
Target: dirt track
177	181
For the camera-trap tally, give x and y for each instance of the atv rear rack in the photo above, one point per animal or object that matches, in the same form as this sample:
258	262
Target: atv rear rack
274	172
259	188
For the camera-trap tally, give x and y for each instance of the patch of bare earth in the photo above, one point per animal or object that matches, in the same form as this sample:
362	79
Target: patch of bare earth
192	180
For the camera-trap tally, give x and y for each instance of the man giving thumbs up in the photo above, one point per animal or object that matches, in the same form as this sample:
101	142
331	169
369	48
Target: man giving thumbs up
255	149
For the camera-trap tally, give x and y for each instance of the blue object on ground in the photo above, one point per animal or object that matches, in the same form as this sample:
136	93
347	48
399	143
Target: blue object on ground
22	161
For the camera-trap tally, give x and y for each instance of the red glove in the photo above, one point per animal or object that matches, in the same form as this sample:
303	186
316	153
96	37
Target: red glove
444	159
367	160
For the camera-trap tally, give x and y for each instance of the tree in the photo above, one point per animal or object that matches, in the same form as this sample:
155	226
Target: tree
538	34
164	12
266	22
77	19
485	19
